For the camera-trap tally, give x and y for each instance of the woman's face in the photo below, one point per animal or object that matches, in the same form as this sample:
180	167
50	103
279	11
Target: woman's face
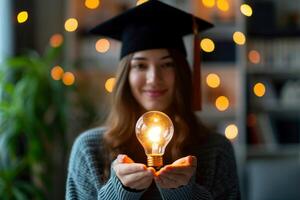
152	79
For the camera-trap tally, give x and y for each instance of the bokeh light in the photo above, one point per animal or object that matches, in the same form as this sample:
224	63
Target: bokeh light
213	80
22	17
254	56
239	38
207	45
109	84
71	24
68	78
222	103
246	10
92	4
102	45
231	131
56	40
223	5
57	73
208	3
259	89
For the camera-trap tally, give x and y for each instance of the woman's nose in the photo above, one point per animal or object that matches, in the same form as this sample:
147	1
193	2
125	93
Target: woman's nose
154	74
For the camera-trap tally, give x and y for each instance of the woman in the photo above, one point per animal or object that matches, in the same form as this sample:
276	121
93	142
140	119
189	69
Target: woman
107	163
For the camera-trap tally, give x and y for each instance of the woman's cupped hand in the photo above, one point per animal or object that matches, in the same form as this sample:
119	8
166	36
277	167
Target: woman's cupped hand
133	175
138	176
176	174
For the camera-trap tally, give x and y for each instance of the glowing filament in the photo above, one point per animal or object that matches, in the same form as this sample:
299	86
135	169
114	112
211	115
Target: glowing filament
154	134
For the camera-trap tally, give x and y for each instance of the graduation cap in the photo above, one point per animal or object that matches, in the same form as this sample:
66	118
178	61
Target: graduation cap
154	25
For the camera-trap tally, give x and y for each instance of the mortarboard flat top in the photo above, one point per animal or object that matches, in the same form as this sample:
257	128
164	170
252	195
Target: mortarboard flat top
150	25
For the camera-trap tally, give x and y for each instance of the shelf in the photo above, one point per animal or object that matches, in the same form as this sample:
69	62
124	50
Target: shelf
282	73
276	109
262	151
274	34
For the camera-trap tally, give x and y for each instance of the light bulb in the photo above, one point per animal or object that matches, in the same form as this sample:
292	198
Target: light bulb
154	130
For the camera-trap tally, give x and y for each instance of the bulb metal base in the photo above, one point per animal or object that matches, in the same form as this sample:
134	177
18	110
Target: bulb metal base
154	161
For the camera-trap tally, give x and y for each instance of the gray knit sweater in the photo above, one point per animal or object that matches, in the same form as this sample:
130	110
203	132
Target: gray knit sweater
216	165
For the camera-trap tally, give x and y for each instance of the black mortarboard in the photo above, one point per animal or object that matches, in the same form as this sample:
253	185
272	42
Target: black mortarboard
153	25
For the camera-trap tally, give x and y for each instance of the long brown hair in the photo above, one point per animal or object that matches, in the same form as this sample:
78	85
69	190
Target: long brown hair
125	111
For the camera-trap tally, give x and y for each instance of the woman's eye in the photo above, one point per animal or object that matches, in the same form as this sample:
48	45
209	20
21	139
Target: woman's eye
139	66
168	64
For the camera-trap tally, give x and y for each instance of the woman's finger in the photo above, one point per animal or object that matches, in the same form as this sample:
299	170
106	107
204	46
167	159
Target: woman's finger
125	169
131	180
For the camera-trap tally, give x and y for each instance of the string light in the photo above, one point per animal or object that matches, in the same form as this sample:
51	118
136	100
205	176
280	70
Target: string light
22	17
102	45
223	5
56	40
231	131
246	10
71	24
68	78
222	103
208	3
139	2
57	73
213	80
239	38
259	89
254	56
109	84
207	45
92	4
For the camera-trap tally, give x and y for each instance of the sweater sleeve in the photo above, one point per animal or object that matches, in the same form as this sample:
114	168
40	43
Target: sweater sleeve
190	191
225	180
83	180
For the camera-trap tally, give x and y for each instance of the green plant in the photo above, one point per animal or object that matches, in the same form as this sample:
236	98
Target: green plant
32	119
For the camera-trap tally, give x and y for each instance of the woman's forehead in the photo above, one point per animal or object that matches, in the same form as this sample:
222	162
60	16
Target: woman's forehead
151	54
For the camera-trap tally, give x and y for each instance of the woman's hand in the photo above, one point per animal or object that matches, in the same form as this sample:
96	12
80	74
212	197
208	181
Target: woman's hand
133	175
177	174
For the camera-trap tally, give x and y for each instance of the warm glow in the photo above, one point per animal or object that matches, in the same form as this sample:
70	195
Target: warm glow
109	84
254	56
208	3
222	103
246	10
231	131
22	17
239	38
68	78
139	2
57	73
102	45
56	40
223	5
207	45
213	80
259	89
71	24
154	134
92	4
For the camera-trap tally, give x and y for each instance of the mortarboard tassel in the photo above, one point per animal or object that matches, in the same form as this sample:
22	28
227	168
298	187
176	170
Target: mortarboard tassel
197	104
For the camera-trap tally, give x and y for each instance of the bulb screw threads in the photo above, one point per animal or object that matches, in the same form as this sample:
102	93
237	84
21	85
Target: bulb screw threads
154	161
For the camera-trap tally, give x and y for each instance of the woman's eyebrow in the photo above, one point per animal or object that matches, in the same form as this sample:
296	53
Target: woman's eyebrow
166	57
139	58
145	58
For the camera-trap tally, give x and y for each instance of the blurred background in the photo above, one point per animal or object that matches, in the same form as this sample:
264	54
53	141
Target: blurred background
56	80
